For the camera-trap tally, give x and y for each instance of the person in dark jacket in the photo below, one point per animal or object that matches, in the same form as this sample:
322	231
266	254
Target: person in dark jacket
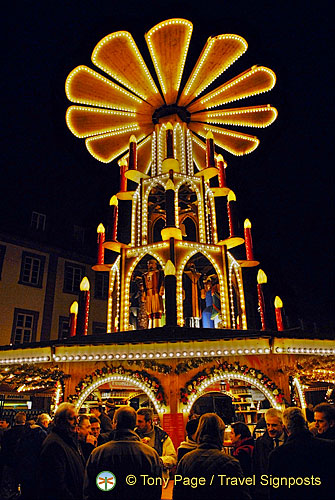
243	446
207	471
44	420
8	457
96	430
324	418
274	436
105	422
305	461
87	441
28	452
124	456
110	408
190	443
61	463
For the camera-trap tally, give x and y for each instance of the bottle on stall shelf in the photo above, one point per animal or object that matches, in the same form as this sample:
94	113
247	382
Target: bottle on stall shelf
227	435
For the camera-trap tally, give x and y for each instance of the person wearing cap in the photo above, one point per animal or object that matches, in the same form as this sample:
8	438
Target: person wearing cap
110	407
106	423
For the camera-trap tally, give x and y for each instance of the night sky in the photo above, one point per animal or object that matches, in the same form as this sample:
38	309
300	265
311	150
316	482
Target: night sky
284	187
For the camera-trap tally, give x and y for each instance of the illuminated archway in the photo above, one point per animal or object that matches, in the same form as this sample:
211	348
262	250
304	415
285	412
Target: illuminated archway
220	374
129	378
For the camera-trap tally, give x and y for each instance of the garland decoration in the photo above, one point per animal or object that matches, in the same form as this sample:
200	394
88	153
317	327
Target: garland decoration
191	364
144	377
23	378
30	378
313	370
151	365
220	369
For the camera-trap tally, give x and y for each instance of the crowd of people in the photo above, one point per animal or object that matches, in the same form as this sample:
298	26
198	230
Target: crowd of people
68	457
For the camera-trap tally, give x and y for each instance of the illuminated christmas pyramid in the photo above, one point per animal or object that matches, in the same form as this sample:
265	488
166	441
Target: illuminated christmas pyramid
174	269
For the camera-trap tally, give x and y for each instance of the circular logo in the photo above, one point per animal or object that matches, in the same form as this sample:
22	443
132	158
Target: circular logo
105	480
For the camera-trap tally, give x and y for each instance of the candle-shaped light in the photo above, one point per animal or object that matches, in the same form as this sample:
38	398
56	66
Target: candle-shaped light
231	212
248	240
113	203
261	280
221	165
132	162
123	164
170	283
279	319
83	307
210	153
73	319
169	140
169	204
101	239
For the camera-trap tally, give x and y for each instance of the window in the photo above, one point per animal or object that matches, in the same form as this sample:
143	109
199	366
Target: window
24	326
64	327
101	285
2	257
38	221
32	268
98	328
73	274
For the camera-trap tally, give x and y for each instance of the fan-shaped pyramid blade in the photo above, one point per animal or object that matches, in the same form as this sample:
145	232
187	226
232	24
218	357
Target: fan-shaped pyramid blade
84	122
117	54
85	86
253	116
107	147
168	44
235	142
218	54
252	82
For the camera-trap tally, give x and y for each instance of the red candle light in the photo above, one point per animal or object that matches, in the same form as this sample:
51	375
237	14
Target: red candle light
83	307
279	319
221	165
210	157
73	318
101	239
169	140
132	163
230	211
123	164
261	279
248	240
114	216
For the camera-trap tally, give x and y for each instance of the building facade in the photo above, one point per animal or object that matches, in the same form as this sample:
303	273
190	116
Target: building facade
38	284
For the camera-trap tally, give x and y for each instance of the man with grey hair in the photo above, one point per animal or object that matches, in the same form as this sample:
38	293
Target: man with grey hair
135	465
61	464
43	420
272	438
304	466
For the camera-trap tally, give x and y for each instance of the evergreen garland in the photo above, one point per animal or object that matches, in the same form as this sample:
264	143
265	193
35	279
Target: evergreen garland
220	369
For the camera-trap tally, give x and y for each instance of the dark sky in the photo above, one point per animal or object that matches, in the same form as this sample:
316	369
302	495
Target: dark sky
284	188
